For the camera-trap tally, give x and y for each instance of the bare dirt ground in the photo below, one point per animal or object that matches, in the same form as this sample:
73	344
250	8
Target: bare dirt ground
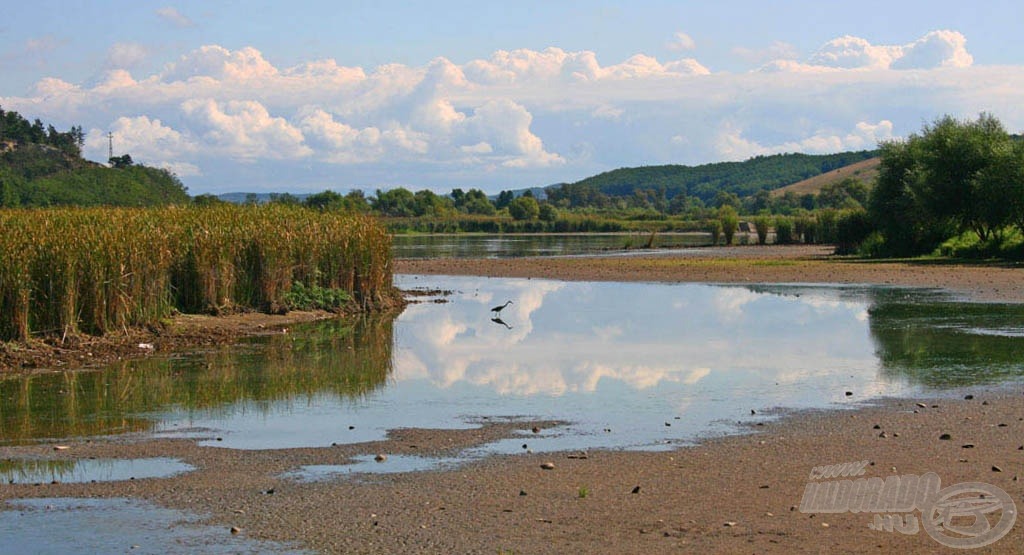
738	494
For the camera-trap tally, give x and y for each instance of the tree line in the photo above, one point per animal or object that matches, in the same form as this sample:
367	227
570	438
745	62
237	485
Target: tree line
955	179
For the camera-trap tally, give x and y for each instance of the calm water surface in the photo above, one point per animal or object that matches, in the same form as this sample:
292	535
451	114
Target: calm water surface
62	525
505	246
637	366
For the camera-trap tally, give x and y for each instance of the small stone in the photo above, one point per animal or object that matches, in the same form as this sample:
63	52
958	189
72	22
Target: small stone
883	435
876	427
235	530
824	525
60	447
547	465
984	402
849	393
535	430
522	493
525	447
967	446
752	411
1001	425
730	524
945	437
269	492
922	405
968	397
381	457
895	434
996	469
636	490
768	514
668	423
351	427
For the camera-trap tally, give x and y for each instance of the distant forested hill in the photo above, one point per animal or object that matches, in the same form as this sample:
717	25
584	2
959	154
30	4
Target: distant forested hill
706	181
40	166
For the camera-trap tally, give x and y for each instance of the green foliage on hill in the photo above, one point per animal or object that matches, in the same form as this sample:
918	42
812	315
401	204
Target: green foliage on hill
40	166
705	181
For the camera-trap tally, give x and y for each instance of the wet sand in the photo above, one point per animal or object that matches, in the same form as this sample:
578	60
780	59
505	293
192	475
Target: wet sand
737	494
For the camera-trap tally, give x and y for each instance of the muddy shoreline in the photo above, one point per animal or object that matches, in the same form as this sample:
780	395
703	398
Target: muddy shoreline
733	494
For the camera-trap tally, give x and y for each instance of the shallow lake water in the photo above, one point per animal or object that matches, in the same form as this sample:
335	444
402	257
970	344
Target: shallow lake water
65	525
464	245
70	471
635	366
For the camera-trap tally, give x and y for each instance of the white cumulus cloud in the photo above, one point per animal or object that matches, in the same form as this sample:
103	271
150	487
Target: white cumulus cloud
245	130
681	41
174	17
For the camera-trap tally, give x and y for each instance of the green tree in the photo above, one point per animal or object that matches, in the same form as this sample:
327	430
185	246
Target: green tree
394	202
524	208
207	199
730	220
327	200
950	178
429	203
503	199
287	199
121	162
762	222
548	212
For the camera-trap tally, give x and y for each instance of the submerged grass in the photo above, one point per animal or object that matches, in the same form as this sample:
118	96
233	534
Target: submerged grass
96	270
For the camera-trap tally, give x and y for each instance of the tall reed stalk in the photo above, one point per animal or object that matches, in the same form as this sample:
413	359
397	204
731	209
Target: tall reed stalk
96	270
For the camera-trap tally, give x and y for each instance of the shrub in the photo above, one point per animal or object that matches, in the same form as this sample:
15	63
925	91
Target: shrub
784	230
762	223
714	227
730	221
851	230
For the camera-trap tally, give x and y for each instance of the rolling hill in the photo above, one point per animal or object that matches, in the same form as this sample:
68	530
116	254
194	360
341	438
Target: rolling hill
865	171
707	180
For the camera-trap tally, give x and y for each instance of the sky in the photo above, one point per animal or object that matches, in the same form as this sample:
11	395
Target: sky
304	96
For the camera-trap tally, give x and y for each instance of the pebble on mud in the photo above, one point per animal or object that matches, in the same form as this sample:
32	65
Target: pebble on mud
381	457
547	465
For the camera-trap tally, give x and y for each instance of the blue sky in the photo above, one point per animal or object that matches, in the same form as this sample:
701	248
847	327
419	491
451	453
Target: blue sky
303	96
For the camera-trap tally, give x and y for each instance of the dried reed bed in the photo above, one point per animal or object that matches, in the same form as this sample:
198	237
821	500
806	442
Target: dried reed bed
95	270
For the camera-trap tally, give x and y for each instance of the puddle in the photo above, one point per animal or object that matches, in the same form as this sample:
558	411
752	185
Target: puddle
393	464
74	471
63	525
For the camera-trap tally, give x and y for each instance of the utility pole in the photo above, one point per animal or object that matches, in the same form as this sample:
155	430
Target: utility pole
110	137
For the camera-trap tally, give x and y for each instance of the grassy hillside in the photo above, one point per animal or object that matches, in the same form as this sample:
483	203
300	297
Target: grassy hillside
41	166
706	181
864	171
